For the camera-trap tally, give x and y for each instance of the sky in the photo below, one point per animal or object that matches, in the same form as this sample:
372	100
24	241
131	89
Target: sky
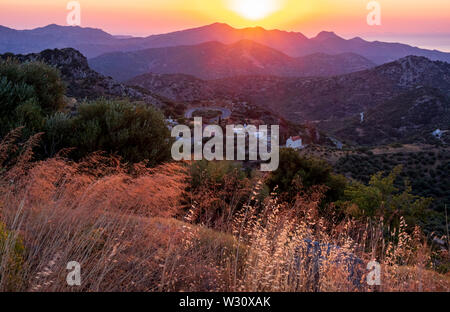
424	23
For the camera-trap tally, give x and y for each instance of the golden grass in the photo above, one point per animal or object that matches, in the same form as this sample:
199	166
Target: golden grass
127	228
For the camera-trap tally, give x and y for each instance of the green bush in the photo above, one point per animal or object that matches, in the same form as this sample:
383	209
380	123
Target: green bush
28	93
380	197
57	133
309	172
134	132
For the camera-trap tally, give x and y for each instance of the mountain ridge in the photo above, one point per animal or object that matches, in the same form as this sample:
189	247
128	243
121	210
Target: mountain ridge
294	44
214	60
402	101
319	98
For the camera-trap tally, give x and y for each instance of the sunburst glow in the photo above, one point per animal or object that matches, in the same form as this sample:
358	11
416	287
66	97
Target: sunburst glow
255	9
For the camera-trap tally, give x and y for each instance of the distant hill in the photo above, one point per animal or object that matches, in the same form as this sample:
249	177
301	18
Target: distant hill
411	117
94	42
214	60
400	100
89	41
83	82
328	98
177	87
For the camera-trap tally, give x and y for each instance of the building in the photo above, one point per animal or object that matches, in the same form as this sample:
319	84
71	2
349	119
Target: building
295	142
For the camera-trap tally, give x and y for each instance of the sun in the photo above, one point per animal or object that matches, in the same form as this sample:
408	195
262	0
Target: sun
254	9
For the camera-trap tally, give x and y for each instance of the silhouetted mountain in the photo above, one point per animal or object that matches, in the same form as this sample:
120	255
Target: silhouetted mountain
94	42
82	82
214	60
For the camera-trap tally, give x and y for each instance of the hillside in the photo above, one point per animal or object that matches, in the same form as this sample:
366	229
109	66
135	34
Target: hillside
214	60
177	87
83	82
410	117
402	100
317	98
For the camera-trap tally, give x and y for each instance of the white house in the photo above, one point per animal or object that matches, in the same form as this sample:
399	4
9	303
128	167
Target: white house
295	142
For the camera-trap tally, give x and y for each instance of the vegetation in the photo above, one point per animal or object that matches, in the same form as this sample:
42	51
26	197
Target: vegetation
218	190
127	228
29	93
134	132
298	172
32	97
382	199
11	260
95	187
426	173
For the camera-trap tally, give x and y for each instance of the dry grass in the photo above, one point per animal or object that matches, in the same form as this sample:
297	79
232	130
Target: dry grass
119	222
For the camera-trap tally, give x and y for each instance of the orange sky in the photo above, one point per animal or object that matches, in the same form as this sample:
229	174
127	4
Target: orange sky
419	22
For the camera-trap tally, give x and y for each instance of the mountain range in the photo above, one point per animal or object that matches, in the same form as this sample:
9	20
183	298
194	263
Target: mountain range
402	92
214	60
94	42
313	98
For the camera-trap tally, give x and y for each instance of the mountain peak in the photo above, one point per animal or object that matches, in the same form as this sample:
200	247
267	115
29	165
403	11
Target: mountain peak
6	29
358	39
218	26
52	27
326	35
413	58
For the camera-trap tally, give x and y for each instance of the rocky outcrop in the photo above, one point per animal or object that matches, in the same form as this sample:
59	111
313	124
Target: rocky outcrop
83	82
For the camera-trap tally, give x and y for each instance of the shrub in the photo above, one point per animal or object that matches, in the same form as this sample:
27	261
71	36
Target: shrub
58	130
381	198
213	171
134	132
28	93
296	172
45	81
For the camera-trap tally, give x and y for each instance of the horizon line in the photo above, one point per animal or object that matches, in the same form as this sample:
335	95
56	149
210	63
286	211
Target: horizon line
361	36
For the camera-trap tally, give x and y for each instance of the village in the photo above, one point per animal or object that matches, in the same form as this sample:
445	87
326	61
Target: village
243	118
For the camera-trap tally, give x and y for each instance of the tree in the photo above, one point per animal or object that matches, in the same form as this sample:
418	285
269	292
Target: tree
296	171
381	198
135	132
28	93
